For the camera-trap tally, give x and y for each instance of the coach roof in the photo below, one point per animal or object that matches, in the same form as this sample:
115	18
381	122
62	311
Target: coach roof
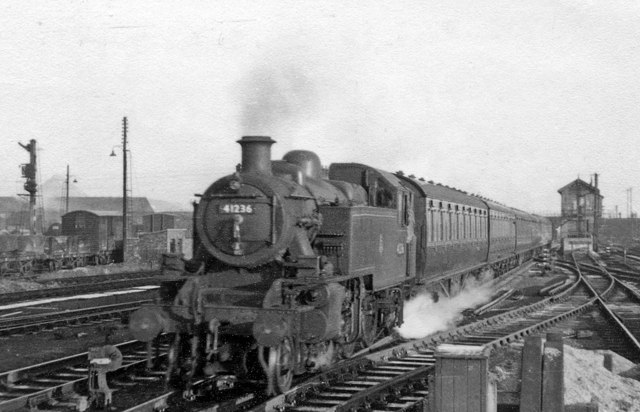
444	193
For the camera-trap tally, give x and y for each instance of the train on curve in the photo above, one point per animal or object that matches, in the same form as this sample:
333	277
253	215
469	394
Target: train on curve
293	270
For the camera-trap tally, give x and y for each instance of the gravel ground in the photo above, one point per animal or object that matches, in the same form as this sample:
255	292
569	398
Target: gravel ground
20	351
25	350
586	380
48	279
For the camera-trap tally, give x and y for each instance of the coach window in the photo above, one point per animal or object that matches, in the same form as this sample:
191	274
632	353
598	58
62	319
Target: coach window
456	223
441	214
496	226
472	224
445	224
435	228
432	228
476	230
487	222
466	211
449	223
485	225
430	222
505	227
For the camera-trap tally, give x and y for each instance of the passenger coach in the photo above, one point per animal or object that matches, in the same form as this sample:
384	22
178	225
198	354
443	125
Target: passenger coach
461	236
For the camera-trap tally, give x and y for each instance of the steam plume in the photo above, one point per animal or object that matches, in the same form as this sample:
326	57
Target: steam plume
423	316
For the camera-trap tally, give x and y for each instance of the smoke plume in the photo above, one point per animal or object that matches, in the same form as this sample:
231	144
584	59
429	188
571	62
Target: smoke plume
274	95
423	316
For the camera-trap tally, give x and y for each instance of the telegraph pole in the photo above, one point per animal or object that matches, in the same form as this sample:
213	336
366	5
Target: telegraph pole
596	197
124	187
31	185
66	198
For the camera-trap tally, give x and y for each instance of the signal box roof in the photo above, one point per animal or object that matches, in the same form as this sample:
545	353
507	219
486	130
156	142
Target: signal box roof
579	184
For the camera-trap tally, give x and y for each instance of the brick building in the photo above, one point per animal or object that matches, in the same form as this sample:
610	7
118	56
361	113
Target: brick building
169	232
151	245
168	220
581	210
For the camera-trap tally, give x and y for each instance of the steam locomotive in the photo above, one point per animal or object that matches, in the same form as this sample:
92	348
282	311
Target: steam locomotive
293	270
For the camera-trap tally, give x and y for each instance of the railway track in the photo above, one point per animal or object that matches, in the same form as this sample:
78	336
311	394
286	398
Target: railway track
487	334
621	304
86	284
48	321
398	378
512	299
26	388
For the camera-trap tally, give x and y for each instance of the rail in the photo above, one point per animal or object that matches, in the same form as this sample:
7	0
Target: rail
38	322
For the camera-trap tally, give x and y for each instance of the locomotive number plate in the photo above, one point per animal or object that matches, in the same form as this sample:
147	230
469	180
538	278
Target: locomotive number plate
236	208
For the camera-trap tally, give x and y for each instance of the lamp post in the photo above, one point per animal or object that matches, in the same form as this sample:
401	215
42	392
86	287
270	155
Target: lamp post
66	199
124	185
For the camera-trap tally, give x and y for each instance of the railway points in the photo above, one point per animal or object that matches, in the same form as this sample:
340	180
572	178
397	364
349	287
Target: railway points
295	299
382	379
365	381
71	301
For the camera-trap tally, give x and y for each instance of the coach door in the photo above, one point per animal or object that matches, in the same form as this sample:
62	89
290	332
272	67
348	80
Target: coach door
408	221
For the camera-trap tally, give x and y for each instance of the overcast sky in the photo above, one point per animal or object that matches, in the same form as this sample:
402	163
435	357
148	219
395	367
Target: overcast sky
510	99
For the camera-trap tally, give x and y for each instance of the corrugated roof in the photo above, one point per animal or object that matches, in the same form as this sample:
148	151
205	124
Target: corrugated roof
13	204
98	212
138	205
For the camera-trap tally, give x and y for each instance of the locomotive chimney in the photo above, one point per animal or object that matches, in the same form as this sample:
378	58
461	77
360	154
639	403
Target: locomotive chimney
256	154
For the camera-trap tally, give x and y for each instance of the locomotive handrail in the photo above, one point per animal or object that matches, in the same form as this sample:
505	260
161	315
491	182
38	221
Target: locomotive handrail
301	197
230	196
